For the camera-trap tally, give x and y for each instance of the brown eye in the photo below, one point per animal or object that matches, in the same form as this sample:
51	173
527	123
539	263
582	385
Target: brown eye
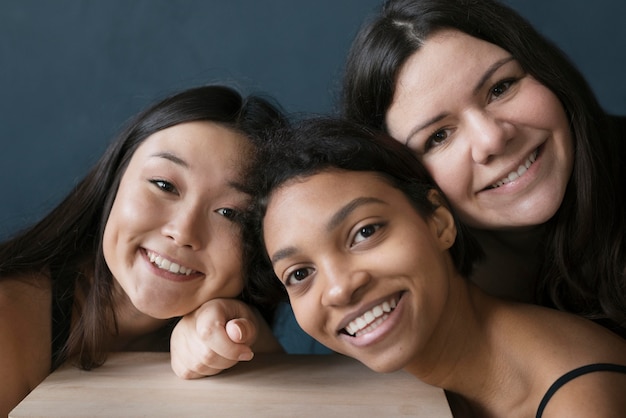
440	136
229	213
501	88
297	276
365	232
437	139
166	186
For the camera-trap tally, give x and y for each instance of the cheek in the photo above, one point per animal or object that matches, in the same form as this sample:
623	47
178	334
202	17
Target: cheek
541	107
110	237
130	214
135	210
450	181
226	253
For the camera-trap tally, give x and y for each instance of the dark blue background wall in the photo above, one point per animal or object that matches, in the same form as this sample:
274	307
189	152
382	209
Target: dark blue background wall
71	72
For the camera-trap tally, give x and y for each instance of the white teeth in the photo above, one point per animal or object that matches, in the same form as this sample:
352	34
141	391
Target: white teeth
514	175
371	319
166	264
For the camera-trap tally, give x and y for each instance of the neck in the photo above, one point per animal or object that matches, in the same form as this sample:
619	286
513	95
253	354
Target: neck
520	239
463	358
514	252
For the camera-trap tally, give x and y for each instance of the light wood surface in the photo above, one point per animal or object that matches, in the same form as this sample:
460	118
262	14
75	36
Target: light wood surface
143	385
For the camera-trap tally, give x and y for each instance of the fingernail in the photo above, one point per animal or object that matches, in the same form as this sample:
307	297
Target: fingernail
240	332
246	356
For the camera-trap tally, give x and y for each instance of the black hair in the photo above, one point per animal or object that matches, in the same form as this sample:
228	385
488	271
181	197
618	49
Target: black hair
323	143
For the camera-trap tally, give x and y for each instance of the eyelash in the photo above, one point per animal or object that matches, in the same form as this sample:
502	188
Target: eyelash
228	213
290	280
430	142
164	185
361	230
506	82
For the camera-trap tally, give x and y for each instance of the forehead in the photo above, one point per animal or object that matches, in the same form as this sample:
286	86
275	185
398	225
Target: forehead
304	204
197	136
332	185
448	65
204	147
448	51
209	154
315	199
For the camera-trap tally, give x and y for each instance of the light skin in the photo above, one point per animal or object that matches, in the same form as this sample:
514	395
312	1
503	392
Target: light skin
175	207
465	103
176	200
472	126
355	242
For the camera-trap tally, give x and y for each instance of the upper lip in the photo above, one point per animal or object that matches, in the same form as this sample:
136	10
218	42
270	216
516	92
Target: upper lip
355	313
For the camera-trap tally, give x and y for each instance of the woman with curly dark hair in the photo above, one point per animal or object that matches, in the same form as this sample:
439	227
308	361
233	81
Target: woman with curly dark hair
375	266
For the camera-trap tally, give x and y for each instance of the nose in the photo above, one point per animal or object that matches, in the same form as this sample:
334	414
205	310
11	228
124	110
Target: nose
186	227
488	136
343	284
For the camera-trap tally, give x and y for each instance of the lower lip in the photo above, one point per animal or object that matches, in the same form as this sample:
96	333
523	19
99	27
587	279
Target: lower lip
168	275
380	332
524	180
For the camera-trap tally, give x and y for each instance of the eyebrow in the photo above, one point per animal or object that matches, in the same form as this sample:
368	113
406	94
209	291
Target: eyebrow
424	125
492	69
334	221
171	157
479	85
347	209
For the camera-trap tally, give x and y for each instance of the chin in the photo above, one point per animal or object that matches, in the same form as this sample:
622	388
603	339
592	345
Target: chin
157	312
379	363
382	367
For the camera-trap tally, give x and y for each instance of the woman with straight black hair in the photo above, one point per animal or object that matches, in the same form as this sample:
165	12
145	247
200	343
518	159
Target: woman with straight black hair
513	135
149	235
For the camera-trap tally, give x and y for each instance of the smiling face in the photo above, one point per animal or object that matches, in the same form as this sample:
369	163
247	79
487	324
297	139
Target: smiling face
496	141
170	239
366	275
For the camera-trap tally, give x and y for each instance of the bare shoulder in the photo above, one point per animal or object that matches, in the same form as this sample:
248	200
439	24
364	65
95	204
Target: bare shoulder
25	336
574	340
549	344
600	394
580	345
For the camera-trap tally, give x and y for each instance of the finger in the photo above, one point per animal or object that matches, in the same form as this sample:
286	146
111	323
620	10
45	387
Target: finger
242	331
200	361
192	348
183	365
218	348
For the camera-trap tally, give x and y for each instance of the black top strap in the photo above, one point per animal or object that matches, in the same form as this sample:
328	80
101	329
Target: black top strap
590	368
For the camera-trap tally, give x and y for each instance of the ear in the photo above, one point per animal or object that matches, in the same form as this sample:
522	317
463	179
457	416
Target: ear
442	221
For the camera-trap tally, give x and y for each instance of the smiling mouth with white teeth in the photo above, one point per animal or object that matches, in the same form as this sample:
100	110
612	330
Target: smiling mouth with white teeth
371	319
514	175
165	264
